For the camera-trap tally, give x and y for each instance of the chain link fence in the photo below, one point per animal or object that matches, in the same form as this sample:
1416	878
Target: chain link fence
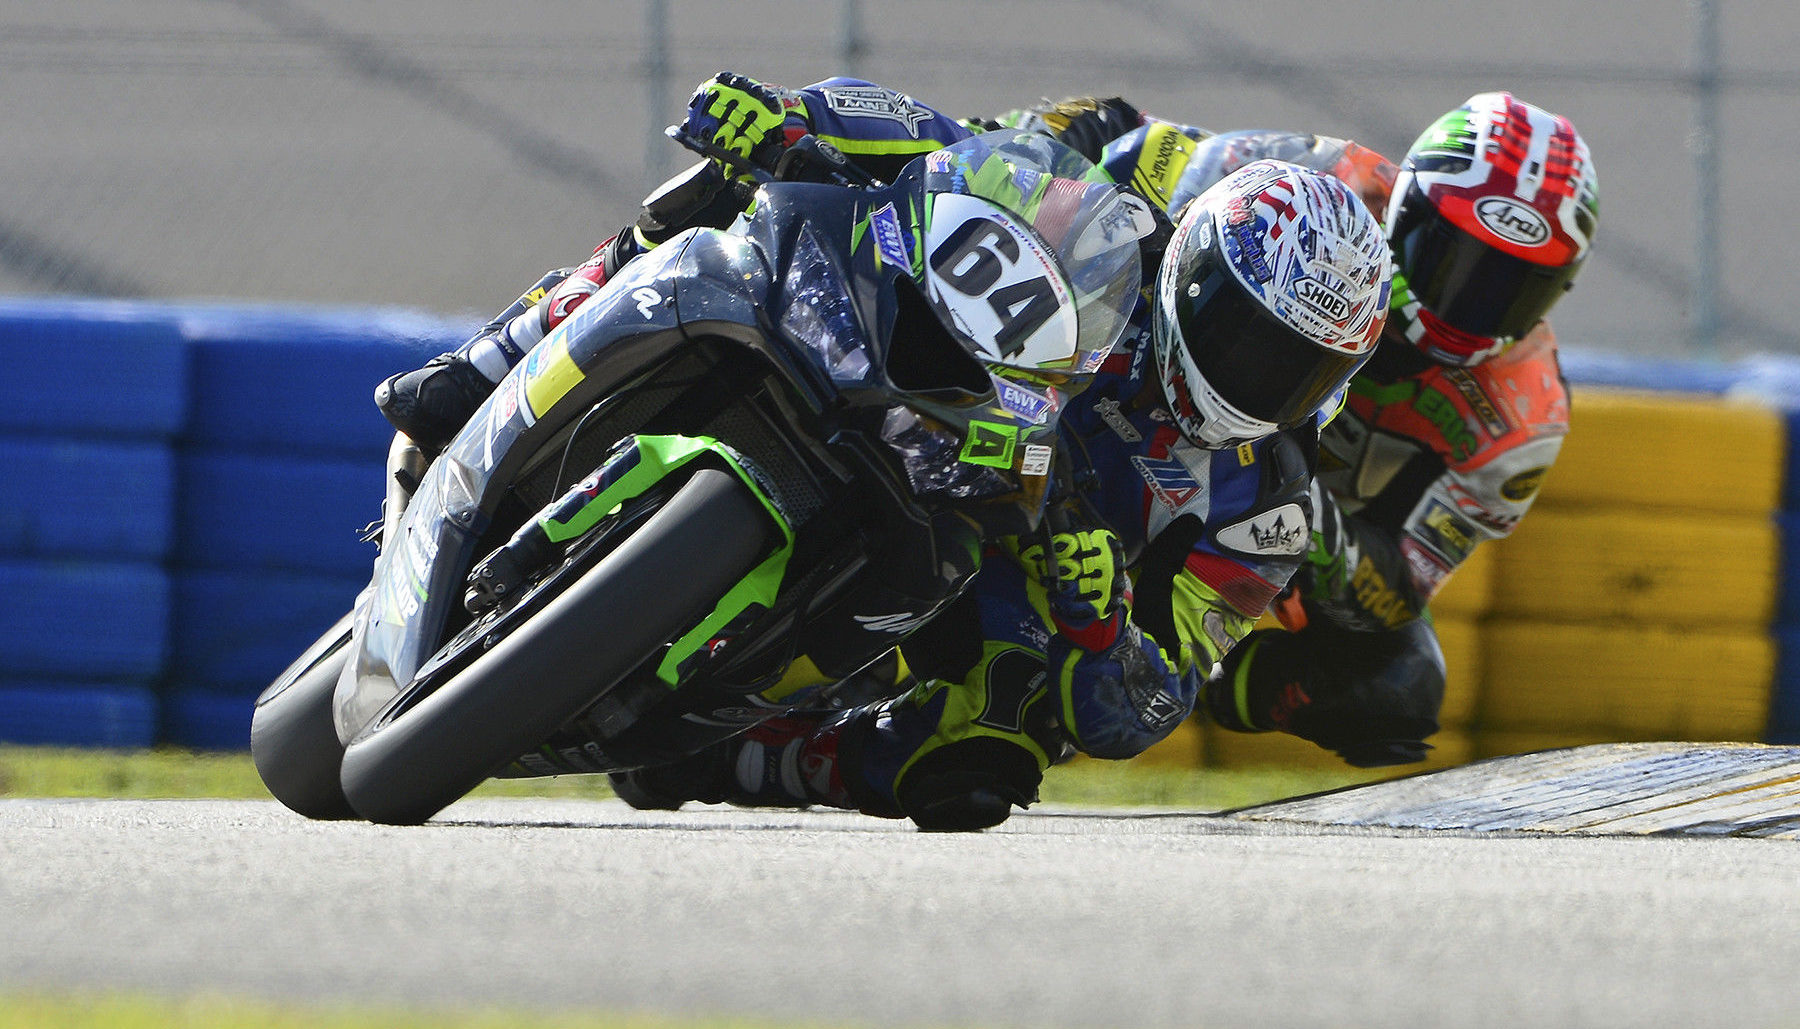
441	155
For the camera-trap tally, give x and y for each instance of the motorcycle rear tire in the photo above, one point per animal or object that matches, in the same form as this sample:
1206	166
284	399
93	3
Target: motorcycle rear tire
293	742
406	766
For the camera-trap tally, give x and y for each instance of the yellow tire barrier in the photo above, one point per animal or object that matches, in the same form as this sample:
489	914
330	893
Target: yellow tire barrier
1182	748
1629	565
1470	591
1667	450
1461	640
1626	682
1502	742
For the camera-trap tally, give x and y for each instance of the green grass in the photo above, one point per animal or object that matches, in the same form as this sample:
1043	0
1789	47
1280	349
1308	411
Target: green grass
139	1011
173	773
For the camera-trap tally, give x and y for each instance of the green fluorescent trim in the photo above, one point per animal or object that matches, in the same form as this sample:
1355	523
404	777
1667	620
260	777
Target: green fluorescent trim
1240	685
878	147
1397	393
759	588
657	457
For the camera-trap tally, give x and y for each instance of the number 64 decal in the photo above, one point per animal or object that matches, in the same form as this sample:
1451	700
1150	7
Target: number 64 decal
998	284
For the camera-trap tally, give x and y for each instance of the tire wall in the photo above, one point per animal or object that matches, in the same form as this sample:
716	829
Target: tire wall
184	485
182	493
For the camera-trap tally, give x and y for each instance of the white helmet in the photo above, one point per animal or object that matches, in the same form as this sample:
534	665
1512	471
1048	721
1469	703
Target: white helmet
1271	295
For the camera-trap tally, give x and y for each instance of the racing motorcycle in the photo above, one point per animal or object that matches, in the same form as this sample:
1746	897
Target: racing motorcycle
747	468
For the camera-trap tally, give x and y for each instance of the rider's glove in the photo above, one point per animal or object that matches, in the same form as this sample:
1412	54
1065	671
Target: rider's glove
738	114
1085	585
1086	123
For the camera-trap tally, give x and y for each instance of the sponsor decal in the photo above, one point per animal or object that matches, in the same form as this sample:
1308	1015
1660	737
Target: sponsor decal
1243	243
1513	221
1157	171
550	374
1156	708
1037	460
1375	596
507	406
1428	570
1476	510
1129	217
990	444
1115	419
1246	455
1170	481
1440	411
1524	485
876	102
890	239
647	300
1282	531
1479	402
1442	530
1322	299
1030	406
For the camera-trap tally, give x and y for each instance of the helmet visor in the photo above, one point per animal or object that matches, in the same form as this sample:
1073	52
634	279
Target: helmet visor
1466	283
1251	359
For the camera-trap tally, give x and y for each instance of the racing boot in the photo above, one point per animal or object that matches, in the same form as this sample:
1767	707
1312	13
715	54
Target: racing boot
432	403
787	762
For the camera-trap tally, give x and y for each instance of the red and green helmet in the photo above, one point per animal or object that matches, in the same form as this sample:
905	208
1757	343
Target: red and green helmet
1491	216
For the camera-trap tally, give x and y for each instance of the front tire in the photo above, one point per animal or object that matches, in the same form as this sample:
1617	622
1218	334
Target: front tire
293	741
415	759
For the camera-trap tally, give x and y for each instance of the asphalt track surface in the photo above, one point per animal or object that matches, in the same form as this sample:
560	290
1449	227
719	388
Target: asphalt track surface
1058	918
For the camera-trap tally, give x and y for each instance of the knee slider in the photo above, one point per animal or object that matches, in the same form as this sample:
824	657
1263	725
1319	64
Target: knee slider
968	785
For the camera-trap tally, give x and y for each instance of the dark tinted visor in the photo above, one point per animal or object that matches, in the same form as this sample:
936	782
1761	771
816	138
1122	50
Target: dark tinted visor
1254	361
1466	283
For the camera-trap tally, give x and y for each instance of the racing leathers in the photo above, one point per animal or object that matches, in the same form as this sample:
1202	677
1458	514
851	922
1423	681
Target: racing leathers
1426	462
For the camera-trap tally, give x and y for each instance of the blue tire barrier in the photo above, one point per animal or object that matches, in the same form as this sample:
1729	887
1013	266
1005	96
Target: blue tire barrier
77	714
1787	601
244	512
301	382
1790	486
84	620
234	631
206	719
82	498
75	369
1784	702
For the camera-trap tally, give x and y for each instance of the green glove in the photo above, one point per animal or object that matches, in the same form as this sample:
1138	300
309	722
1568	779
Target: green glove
738	114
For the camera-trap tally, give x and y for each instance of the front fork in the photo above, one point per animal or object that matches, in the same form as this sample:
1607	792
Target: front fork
406	464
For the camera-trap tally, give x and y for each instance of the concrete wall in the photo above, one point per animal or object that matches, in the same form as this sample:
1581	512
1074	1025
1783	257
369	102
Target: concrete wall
441	155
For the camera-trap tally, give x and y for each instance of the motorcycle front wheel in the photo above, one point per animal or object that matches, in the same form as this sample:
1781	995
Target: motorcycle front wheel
420	755
293	742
